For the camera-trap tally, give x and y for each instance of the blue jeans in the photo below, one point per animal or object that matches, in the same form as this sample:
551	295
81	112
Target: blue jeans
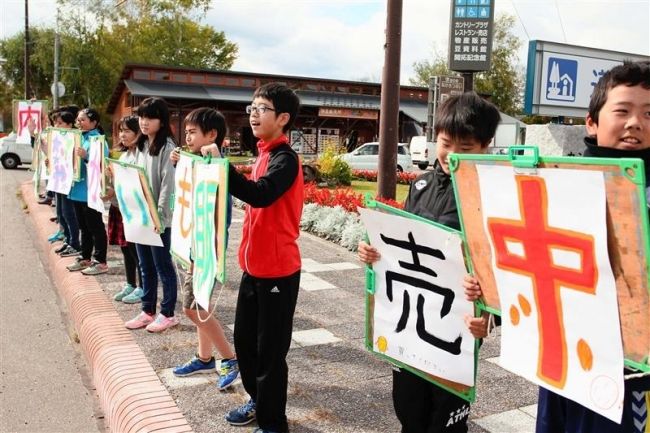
69	221
59	216
157	262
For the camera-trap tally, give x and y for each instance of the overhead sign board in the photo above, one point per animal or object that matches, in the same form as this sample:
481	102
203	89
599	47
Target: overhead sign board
441	88
349	113
470	35
560	78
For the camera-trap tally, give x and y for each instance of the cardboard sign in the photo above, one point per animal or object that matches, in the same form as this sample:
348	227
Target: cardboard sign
95	172
24	112
139	211
560	247
61	144
181	236
416	305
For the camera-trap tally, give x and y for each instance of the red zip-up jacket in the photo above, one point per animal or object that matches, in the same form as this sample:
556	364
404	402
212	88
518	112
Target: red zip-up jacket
274	194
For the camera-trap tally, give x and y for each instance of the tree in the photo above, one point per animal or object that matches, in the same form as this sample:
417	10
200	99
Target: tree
98	41
503	81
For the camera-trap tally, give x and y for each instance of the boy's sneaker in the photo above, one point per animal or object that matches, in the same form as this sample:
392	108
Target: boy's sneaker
127	290
61	248
228	372
195	366
243	415
134	297
69	252
58	236
261	430
95	269
78	265
140	321
161	323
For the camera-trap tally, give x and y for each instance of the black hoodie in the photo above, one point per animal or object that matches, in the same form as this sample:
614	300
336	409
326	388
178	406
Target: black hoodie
593	150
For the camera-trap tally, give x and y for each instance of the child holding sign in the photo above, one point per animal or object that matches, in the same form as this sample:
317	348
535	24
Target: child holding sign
205	126
464	124
132	291
155	143
618	126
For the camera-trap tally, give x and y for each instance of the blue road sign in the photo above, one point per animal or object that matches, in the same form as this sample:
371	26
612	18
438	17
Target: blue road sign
484	12
562	77
472	12
460	12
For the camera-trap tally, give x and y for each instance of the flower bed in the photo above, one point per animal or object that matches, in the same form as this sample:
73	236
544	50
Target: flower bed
404	178
332	214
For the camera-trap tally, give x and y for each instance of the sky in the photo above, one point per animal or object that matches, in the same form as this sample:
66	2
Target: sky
343	39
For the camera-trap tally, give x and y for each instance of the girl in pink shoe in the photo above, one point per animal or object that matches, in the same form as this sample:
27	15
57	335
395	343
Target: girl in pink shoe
155	143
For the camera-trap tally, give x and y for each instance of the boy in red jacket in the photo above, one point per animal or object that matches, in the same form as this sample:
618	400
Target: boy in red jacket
270	259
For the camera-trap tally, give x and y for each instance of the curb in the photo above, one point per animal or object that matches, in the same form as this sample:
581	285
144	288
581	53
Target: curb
130	393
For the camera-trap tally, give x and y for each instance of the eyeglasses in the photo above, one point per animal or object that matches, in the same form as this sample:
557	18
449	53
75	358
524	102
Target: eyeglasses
260	109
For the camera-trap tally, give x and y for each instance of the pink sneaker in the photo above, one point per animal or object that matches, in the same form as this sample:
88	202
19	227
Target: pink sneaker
140	321
161	323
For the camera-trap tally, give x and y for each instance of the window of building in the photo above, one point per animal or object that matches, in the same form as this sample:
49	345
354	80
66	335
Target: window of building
161	75
197	78
139	74
180	77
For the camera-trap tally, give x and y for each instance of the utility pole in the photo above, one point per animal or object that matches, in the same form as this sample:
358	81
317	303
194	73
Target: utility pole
468	77
57	43
389	120
26	56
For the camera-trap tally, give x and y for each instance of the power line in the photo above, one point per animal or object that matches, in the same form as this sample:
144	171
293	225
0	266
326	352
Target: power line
557	9
519	17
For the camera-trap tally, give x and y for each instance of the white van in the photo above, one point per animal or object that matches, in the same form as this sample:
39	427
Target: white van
13	154
423	152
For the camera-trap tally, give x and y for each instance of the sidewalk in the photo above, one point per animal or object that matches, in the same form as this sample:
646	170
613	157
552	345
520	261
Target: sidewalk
335	385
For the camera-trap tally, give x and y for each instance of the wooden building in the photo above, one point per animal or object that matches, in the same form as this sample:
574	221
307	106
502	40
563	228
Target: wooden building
344	113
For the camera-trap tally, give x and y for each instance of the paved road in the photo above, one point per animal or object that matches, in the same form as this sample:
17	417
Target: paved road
44	379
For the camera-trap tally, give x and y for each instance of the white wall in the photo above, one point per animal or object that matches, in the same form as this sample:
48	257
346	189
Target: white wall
556	140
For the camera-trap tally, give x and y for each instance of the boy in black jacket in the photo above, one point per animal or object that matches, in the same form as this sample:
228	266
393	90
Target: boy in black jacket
464	124
618	124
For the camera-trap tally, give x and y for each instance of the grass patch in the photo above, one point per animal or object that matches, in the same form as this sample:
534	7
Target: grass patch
239	159
364	186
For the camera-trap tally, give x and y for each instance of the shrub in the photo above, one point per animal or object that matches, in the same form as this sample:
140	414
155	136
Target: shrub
329	227
332	168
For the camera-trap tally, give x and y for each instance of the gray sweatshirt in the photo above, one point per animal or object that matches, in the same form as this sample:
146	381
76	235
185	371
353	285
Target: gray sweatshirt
160	172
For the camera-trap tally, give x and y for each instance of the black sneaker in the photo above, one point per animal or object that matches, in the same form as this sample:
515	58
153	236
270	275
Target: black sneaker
242	415
61	248
69	252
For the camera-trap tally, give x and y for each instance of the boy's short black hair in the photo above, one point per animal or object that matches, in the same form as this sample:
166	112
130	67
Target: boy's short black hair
467	116
208	119
284	100
628	74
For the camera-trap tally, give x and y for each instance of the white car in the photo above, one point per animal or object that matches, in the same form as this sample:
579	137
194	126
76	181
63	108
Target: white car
13	154
366	157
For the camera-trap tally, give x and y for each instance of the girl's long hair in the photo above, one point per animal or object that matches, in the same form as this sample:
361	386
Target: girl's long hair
155	108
